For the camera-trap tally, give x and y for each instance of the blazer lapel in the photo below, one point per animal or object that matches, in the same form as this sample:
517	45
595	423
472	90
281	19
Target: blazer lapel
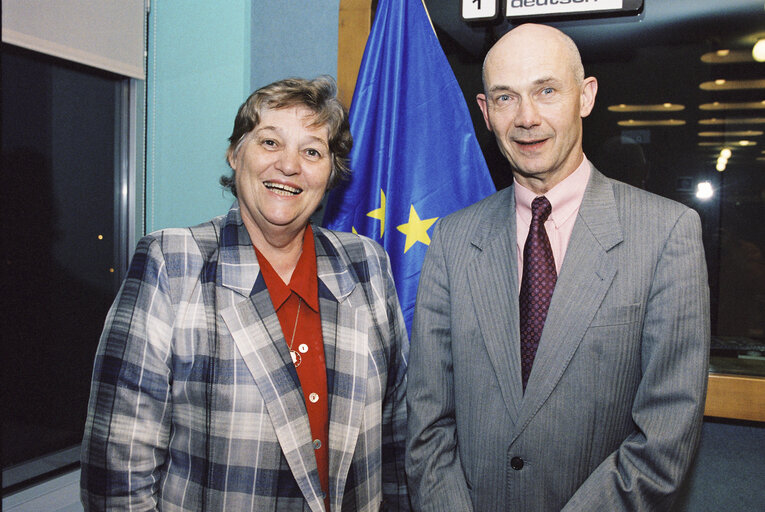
496	268
345	331
246	308
585	276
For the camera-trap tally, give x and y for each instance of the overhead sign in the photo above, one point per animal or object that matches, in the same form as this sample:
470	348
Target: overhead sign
479	9
524	8
473	10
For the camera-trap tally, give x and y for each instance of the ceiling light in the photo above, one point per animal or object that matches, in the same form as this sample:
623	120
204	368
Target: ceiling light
727	56
704	190
758	51
650	122
733	120
742	133
732	85
724	143
663	107
726	152
747	105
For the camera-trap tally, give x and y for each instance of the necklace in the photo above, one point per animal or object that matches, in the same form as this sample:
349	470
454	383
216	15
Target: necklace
296	359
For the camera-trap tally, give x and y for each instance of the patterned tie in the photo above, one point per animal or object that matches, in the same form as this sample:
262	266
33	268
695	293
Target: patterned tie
537	284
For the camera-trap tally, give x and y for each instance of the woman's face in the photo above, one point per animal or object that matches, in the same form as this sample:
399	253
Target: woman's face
282	171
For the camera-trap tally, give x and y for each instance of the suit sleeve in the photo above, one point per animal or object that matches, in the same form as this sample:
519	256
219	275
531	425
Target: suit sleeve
644	473
395	491
436	479
128	422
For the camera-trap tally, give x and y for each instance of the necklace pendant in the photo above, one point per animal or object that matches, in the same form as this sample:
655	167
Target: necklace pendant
296	358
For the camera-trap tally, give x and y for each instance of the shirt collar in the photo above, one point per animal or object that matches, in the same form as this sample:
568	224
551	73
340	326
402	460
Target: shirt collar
565	197
304	281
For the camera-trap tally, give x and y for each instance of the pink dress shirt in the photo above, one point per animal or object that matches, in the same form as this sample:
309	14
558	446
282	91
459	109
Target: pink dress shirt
565	198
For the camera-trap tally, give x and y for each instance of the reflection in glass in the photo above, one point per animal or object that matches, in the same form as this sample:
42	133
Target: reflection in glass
680	85
58	150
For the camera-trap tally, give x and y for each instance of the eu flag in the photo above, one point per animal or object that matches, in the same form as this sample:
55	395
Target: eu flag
415	157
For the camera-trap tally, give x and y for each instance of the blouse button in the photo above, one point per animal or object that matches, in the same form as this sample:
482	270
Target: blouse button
316	444
313	397
303	348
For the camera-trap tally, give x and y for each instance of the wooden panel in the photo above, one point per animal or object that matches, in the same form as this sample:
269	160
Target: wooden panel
736	397
355	21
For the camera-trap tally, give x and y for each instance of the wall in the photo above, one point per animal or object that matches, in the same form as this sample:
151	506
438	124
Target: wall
198	72
203	62
299	39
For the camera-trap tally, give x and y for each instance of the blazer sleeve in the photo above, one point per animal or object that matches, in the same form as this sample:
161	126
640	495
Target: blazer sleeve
128	422
436	479
394	486
644	473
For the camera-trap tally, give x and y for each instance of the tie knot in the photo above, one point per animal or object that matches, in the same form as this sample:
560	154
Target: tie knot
540	209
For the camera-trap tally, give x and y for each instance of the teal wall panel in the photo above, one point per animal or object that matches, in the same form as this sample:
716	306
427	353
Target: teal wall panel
198	74
204	59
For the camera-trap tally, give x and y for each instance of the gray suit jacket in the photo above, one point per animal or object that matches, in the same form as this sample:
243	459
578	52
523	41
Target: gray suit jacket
612	412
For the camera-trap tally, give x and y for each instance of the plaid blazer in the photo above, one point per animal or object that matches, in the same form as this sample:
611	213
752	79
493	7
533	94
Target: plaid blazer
195	403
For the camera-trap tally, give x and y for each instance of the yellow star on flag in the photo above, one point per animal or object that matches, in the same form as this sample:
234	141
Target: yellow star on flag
416	230
379	213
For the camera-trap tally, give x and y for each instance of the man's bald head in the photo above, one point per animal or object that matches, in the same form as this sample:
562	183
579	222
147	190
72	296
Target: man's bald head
530	33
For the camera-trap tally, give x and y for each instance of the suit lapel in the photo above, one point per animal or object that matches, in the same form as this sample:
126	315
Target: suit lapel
345	331
493	277
585	276
255	329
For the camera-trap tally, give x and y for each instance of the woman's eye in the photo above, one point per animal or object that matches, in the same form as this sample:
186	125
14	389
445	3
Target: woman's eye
269	142
313	153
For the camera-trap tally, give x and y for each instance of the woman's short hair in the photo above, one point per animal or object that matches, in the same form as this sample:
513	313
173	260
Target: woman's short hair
319	96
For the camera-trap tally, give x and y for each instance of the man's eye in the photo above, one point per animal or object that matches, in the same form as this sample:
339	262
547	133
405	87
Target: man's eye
547	90
503	97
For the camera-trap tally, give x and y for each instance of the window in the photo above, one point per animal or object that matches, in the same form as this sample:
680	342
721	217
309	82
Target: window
66	236
678	89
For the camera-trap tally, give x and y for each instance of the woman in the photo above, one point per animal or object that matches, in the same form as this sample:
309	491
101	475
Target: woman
255	362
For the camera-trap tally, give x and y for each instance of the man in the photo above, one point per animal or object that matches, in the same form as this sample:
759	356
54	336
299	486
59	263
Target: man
561	335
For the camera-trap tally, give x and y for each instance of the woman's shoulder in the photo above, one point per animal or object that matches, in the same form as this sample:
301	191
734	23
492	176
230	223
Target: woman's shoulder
179	252
355	246
193	238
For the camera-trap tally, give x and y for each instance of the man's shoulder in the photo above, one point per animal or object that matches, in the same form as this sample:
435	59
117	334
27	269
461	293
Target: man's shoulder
646	205
498	205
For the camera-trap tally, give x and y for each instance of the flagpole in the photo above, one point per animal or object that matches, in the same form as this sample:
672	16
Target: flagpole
428	15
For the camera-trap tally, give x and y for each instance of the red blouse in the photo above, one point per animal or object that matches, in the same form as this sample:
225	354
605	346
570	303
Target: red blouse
297	307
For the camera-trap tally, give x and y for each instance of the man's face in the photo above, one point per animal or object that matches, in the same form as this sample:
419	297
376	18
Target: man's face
534	105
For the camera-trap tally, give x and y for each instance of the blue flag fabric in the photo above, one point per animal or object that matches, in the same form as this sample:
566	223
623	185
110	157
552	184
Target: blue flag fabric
415	156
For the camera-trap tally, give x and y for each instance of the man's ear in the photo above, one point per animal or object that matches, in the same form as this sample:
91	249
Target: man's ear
484	106
589	91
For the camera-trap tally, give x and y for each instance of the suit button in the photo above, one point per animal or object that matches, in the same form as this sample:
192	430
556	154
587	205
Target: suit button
516	463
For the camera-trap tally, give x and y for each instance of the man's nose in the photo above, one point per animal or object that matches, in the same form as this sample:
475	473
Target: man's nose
527	115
